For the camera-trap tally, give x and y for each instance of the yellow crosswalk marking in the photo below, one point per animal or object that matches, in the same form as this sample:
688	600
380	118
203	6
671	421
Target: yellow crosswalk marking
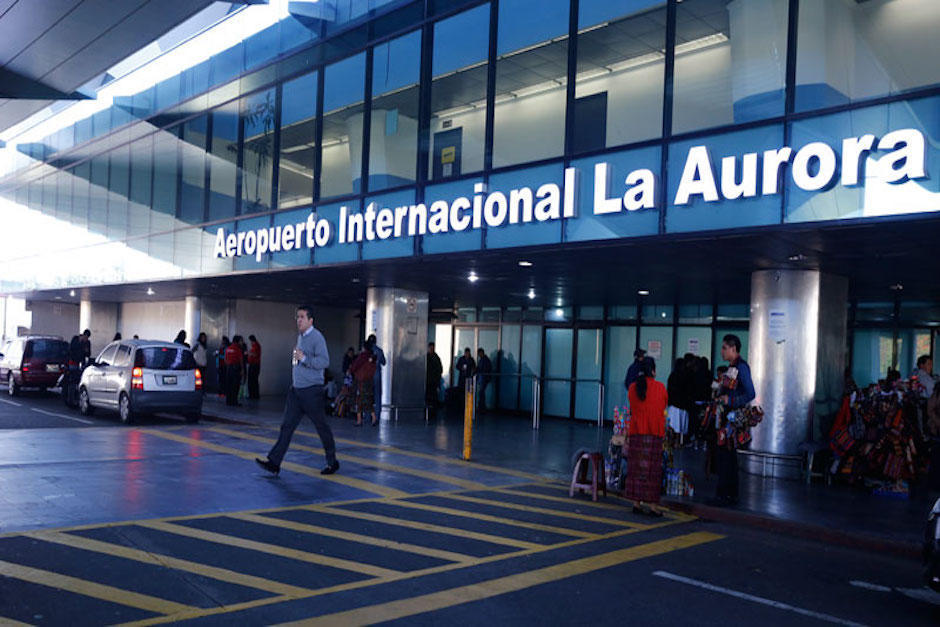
438	458
221	574
411	524
494	519
542	510
359	484
91	589
273	549
405	470
449	556
9	622
403	608
613	507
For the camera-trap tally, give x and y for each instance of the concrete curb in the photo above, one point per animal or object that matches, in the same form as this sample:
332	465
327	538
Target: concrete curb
910	550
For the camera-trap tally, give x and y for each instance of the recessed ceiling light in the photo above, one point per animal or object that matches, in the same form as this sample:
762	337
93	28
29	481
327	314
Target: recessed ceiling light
150	291
663	314
897	287
525	264
559	312
72	293
643	292
531	294
472	277
797	257
355	279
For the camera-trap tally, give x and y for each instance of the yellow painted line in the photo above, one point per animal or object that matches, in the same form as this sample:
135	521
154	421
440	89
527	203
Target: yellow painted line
422	526
9	622
166	561
403	608
367	583
449	556
359	484
272	549
494	519
405	470
438	458
91	589
543	510
622	508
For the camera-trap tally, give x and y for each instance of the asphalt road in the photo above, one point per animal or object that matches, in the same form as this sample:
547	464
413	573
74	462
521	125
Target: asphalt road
164	522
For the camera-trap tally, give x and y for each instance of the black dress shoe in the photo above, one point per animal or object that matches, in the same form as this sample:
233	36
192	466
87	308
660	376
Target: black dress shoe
271	467
330	469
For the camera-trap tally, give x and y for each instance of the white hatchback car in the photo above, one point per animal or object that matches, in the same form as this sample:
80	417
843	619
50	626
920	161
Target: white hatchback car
134	376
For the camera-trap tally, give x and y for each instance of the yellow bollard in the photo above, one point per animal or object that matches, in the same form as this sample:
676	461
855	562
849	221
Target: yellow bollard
468	418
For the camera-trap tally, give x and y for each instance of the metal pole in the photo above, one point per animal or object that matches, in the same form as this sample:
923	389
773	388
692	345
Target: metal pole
468	417
600	405
536	407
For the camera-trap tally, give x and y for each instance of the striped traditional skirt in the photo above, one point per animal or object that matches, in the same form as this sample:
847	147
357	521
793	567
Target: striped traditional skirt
644	481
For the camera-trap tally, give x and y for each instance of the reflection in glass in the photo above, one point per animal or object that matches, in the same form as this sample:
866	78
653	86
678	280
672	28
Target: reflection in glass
258	151
458	93
140	187
619	83
393	143
165	163
343	94
849	51
192	194
298	142
730	62
118	182
531	73
223	158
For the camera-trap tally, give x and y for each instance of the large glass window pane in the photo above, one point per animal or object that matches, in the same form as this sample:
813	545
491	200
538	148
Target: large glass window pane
657	342
531	73
556	391
731	62
298	142
509	366
458	93
192	196
872	355
695	340
488	340
619	83
140	188
621	342
118	183
165	174
343	93
79	216
223	158
531	362
258	111
587	389
850	51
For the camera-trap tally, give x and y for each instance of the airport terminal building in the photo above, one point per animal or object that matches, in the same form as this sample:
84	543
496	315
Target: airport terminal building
555	181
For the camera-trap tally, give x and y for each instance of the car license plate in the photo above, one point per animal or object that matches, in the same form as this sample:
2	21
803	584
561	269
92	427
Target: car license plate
169	380
52	367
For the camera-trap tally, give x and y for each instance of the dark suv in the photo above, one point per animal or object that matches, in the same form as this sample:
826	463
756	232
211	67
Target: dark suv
32	361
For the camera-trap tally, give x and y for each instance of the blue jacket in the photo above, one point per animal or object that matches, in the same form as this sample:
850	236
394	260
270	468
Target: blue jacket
743	393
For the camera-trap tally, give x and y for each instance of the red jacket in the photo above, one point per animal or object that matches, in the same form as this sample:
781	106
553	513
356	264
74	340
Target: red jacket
363	368
233	355
254	354
648	417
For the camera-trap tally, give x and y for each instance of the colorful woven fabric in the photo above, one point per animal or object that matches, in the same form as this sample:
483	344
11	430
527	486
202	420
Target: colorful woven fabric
644	481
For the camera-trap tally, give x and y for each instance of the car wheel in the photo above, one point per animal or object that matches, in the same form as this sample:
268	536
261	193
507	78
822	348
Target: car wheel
84	403
124	408
12	387
193	416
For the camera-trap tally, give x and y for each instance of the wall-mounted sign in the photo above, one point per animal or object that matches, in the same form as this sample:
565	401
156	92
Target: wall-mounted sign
654	349
813	167
693	346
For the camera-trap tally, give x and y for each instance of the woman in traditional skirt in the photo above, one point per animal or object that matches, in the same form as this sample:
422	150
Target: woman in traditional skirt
648	401
363	370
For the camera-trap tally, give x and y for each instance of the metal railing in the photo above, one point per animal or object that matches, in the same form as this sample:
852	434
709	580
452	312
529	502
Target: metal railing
537	397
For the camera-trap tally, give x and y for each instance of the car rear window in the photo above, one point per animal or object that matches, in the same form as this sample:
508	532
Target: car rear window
164	358
51	350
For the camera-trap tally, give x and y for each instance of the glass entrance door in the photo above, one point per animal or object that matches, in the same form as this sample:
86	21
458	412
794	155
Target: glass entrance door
556	390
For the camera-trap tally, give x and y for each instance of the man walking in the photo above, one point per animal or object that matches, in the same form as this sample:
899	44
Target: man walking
485	375
306	395
253	358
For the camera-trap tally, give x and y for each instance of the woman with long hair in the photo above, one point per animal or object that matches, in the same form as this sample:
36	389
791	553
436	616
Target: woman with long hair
648	401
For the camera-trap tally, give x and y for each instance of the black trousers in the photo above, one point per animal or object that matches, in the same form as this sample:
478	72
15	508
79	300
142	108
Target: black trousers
726	462
300	401
253	371
233	380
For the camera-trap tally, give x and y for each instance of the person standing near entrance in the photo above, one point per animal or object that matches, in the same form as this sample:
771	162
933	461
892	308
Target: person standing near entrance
485	375
634	370
305	396
466	368
735	392
233	371
648	400
435	370
377	380
201	354
253	358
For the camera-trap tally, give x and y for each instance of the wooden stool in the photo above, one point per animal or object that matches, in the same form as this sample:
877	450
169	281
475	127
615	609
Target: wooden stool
598	476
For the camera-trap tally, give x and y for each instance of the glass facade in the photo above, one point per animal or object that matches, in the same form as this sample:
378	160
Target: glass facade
402	104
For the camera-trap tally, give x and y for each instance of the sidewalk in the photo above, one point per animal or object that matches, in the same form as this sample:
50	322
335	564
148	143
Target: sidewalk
834	514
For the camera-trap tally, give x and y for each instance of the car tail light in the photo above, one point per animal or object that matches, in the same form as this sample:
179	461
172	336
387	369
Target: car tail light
198	380
137	379
25	368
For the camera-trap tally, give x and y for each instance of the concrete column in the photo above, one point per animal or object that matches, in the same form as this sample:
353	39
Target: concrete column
192	318
399	320
797	355
101	319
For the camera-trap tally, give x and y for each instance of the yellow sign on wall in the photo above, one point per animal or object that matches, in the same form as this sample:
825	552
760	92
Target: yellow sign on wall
449	154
